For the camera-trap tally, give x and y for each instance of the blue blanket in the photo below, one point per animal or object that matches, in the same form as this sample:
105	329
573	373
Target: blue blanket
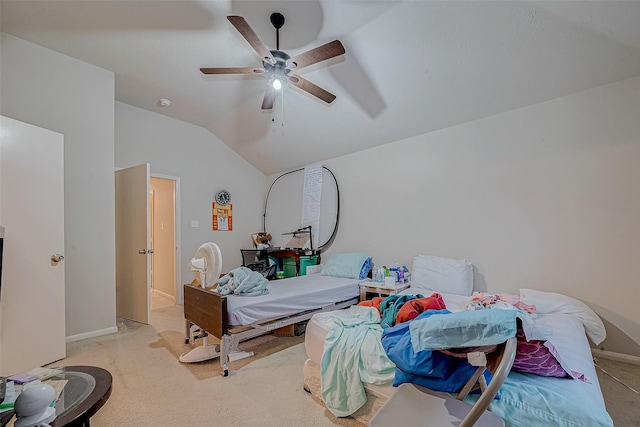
431	369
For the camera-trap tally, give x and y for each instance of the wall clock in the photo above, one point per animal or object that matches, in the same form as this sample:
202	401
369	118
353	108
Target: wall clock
223	197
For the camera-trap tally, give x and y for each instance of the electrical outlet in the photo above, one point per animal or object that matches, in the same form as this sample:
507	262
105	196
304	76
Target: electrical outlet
195	223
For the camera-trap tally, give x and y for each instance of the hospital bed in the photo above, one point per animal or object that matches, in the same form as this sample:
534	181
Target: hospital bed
234	318
526	398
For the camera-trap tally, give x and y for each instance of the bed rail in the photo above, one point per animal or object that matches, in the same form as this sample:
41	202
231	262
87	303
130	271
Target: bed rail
206	309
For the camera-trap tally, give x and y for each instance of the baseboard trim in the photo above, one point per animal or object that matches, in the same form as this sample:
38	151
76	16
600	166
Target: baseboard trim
165	295
92	334
618	357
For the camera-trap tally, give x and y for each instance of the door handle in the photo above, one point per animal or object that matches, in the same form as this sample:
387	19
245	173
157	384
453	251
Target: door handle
145	251
56	258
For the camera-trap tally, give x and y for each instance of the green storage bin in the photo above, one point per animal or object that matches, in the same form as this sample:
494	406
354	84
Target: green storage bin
290	269
306	261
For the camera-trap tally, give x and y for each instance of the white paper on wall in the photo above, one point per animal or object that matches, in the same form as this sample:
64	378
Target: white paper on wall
311	198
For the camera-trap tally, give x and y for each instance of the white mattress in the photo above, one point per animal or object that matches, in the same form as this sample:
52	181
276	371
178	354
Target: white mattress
291	296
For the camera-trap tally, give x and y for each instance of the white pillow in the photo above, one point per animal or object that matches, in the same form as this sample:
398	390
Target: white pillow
445	275
549	302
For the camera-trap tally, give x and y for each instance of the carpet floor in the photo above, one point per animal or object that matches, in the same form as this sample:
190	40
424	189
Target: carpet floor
152	388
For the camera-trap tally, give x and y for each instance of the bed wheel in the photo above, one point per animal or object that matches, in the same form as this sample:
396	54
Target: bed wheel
225	373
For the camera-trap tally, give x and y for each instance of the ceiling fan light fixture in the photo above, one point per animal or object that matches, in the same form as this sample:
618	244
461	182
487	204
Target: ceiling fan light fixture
278	65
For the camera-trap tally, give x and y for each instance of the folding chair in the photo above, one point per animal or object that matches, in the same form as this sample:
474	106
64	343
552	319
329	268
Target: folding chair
413	405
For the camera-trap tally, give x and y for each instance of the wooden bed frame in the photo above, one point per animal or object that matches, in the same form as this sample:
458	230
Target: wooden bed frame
208	310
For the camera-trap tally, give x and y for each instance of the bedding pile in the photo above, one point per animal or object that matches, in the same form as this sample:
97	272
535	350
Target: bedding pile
243	281
553	381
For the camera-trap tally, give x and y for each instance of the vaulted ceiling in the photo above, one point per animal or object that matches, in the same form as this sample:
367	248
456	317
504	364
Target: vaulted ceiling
410	67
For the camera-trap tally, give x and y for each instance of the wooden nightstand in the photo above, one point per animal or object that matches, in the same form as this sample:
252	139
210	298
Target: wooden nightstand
381	289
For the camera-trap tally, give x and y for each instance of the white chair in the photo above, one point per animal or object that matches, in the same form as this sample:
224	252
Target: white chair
413	405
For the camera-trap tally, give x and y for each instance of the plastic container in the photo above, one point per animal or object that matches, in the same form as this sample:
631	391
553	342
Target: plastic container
290	269
306	261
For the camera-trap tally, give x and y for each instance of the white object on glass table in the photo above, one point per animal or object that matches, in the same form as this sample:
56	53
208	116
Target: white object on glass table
33	406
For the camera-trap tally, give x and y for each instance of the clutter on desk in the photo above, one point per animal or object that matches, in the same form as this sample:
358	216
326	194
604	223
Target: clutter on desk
302	238
398	274
35	378
34	374
261	240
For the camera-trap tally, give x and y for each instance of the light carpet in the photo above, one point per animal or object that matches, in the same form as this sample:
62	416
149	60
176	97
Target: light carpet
152	388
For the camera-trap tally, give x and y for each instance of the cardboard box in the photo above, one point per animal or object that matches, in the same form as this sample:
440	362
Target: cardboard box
293	330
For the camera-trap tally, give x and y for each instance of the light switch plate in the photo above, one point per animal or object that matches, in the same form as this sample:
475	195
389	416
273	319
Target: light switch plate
195	223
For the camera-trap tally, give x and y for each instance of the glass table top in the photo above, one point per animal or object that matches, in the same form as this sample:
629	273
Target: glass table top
79	385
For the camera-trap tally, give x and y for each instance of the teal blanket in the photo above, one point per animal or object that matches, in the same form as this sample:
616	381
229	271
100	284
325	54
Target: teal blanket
353	354
243	281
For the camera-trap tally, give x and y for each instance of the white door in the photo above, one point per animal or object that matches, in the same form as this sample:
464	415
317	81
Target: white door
133	240
32	296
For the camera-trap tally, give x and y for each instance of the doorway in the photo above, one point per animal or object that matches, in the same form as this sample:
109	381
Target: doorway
163	216
135	203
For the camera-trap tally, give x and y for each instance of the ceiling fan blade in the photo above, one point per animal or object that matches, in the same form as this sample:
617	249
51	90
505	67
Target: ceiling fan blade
269	96
319	54
311	88
233	70
247	32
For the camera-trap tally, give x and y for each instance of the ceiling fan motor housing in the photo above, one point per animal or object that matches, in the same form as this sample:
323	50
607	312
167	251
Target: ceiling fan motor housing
279	69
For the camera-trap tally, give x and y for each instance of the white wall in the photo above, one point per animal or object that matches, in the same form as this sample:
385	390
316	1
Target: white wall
545	197
56	92
205	165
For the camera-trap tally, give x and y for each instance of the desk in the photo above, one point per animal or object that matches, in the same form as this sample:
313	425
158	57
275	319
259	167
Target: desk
381	289
87	391
250	256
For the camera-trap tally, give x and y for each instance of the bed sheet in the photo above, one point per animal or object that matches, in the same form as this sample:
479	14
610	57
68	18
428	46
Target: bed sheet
526	399
290	296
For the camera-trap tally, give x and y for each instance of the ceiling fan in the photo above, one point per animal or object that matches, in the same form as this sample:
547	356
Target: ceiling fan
279	67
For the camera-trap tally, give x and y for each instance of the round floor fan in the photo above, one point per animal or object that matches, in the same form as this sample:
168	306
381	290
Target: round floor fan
207	265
